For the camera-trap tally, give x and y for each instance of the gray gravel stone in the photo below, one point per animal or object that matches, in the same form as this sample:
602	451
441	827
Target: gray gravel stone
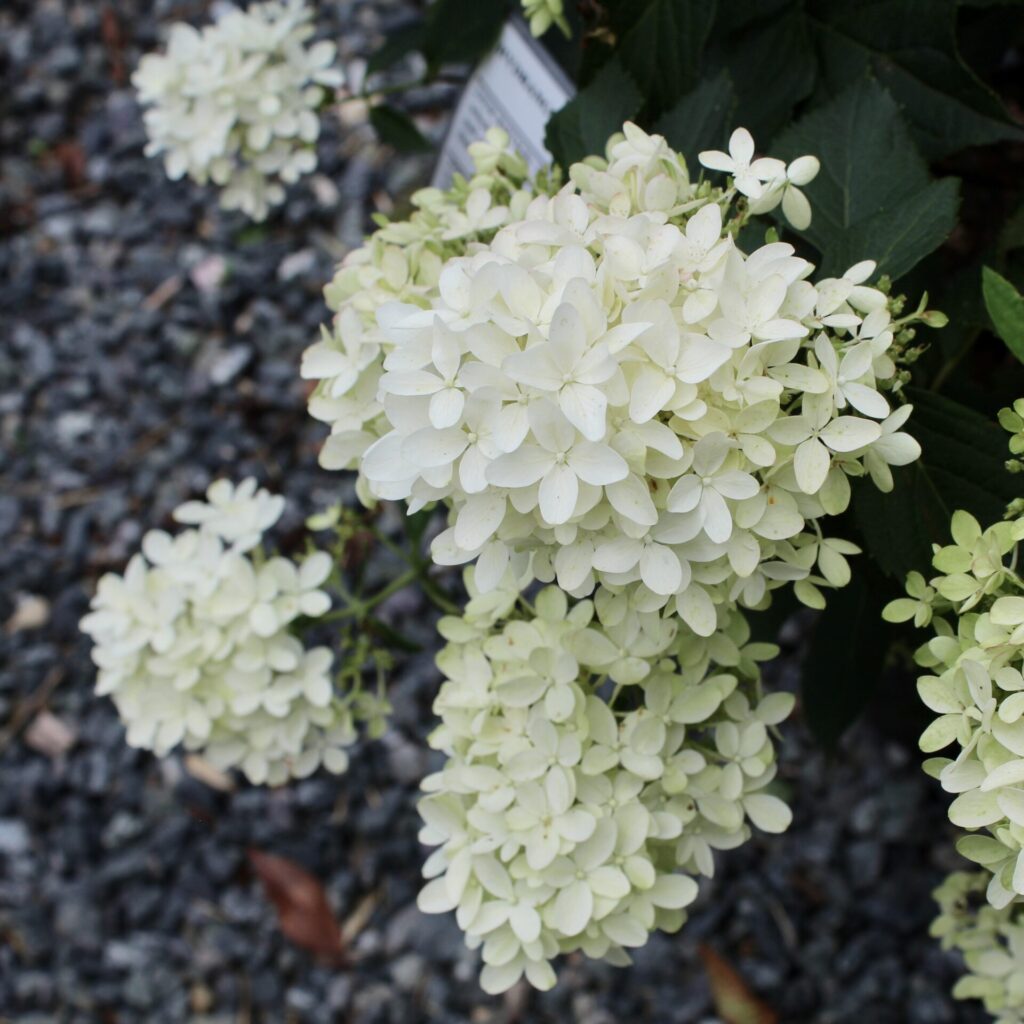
14	837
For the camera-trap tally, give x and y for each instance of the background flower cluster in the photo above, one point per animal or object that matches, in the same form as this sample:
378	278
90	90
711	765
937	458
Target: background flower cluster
195	645
237	103
975	686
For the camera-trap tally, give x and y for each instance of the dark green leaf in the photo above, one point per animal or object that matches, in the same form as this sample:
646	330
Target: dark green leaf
964	453
1005	306
462	31
960	299
1011	237
662	50
896	527
898	237
773	67
702	119
844	660
873	198
402	41
962	466
738	15
397	129
910	46
582	127
767	623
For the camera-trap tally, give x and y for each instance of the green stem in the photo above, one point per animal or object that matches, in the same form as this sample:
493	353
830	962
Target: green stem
421	567
437	595
386	542
400	583
359	608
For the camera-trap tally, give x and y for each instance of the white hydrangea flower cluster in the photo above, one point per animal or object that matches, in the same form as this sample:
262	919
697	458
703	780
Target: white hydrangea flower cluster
611	393
975	686
401	261
194	644
567	820
991	941
607	394
236	103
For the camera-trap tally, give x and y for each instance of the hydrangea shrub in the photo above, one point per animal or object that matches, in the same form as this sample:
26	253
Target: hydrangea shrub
637	408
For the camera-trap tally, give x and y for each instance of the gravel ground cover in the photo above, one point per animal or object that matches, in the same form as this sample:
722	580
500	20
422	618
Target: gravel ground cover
148	344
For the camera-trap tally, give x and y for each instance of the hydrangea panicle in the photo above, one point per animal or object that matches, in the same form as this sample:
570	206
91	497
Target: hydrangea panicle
602	387
974	683
194	643
236	103
607	394
568	820
991	941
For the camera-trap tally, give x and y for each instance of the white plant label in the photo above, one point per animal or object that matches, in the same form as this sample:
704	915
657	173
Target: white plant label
518	87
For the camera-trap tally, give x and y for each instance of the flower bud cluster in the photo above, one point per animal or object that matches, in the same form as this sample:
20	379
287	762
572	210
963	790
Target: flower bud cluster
991	941
974	684
1012	420
542	14
237	102
194	644
567	819
611	394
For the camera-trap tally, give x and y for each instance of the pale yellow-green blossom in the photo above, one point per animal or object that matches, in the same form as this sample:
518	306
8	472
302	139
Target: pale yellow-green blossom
991	941
604	389
974	685
542	14
237	102
591	772
195	647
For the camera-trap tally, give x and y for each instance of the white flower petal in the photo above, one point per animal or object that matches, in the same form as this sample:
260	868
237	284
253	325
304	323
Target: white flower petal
558	492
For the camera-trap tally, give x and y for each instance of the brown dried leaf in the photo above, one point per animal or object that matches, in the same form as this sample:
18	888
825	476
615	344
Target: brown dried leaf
163	293
71	159
50	735
734	1002
201	770
303	912
30	612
